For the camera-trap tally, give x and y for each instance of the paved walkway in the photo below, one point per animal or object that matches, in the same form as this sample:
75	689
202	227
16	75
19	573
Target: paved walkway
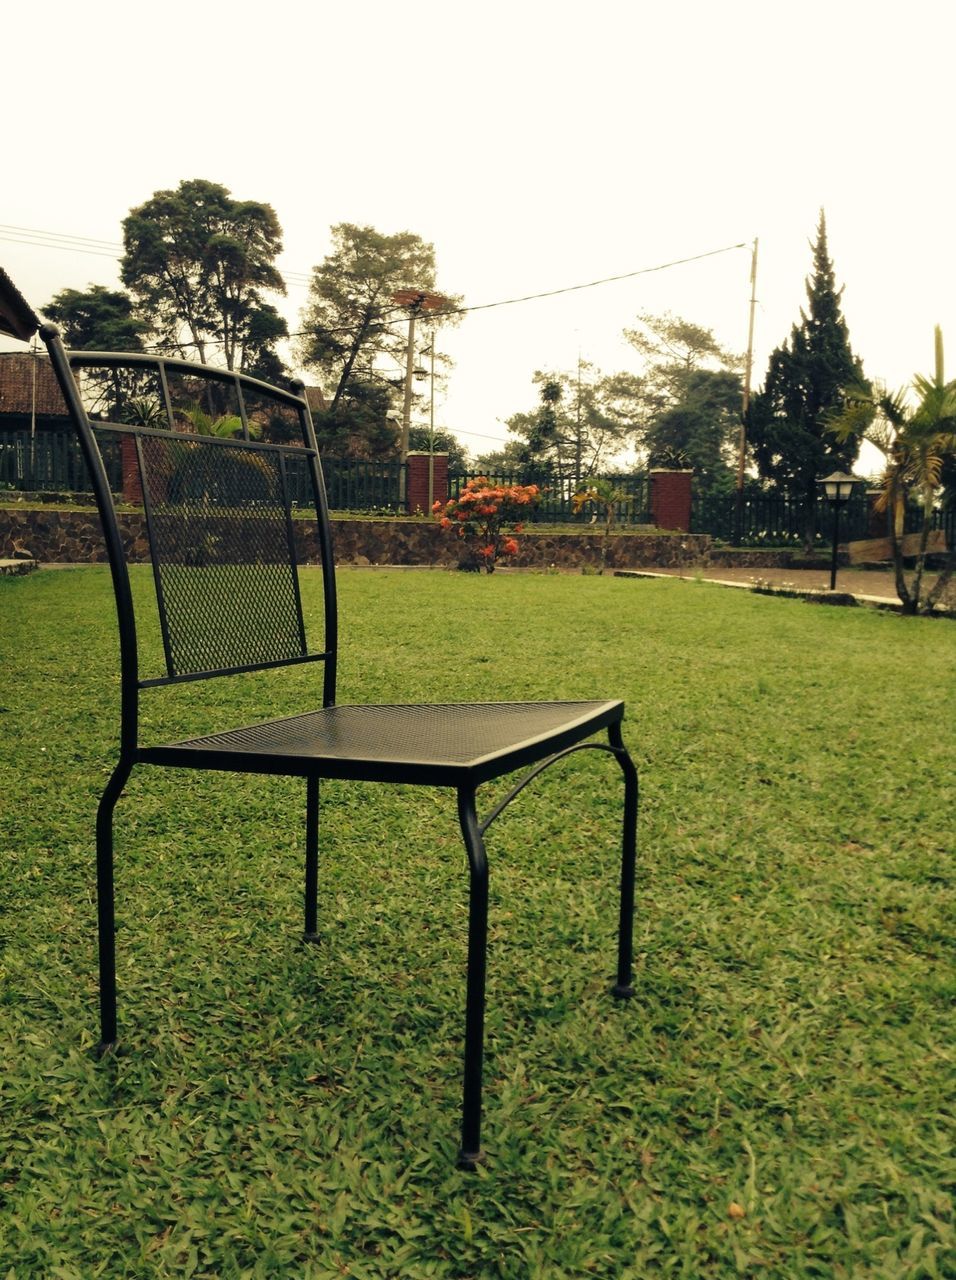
876	584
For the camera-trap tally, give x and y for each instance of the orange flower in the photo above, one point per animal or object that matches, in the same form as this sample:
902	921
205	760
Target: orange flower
509	547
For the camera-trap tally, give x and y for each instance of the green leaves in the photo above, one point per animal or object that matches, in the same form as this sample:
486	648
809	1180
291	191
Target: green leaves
197	262
789	424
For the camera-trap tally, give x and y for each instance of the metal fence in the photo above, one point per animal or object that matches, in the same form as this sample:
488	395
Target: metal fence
354	484
775	519
52	461
557	494
780	520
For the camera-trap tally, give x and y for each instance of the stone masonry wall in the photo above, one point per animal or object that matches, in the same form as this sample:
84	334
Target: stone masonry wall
74	537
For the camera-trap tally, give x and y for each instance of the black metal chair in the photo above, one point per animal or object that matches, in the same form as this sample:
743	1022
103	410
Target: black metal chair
224	548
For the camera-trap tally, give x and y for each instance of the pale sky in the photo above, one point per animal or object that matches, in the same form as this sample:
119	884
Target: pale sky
537	145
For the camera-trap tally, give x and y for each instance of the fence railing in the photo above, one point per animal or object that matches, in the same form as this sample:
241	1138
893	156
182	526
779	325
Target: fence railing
52	461
354	484
775	519
778	519
557	493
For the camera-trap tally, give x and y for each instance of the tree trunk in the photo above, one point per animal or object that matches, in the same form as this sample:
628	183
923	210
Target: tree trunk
896	545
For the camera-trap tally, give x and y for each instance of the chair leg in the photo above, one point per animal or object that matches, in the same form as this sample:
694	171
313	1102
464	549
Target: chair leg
105	910
623	988
470	1151
311	859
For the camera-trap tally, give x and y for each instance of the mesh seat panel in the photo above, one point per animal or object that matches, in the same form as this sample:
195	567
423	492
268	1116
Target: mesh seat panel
438	743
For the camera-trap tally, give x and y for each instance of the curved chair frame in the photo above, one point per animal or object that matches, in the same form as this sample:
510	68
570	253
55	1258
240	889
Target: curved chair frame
362	742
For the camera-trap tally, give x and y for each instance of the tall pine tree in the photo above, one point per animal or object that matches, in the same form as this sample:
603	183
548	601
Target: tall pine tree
788	423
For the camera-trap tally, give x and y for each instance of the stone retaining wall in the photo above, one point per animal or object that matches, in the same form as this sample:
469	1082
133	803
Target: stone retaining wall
74	537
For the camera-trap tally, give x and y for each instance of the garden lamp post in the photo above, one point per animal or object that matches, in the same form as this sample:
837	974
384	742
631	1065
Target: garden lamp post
837	488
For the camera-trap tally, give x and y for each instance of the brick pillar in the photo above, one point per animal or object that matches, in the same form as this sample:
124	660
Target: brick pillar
132	482
670	499
416	490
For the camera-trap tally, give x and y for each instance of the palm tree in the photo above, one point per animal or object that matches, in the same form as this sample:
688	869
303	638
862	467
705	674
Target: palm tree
604	494
915	444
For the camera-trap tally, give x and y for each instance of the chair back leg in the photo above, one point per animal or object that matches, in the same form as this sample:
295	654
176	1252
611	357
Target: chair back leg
311	860
470	1151
105	910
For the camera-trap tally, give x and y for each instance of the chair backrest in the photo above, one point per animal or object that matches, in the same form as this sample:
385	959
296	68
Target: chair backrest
224	466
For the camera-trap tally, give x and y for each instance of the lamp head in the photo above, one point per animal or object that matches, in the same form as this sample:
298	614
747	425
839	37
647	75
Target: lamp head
838	487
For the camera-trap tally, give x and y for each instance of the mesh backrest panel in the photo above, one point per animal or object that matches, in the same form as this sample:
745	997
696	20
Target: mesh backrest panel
220	532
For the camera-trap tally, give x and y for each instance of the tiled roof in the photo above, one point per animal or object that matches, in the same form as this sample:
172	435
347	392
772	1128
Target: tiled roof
17	373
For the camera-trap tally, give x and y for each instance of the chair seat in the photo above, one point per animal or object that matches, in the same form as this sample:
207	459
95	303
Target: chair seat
448	744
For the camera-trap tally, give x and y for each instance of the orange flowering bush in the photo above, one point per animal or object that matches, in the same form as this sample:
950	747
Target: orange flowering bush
481	515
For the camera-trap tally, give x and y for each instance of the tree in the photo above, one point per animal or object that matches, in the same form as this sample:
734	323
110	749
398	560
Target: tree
789	419
505	461
686	403
698	431
358	425
442	442
351	318
672	349
197	262
97	319
605	494
916	443
576	429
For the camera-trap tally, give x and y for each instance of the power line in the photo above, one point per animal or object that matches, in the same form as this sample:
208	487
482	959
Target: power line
592	284
548	293
56	235
83	244
99	248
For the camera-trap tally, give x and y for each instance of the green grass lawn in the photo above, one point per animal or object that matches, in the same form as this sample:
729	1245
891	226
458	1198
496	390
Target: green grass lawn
775	1102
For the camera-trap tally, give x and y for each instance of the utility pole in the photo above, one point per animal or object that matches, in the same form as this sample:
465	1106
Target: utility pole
745	407
409	367
416	300
431	433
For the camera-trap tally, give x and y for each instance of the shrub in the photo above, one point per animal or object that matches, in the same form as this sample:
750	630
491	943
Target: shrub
484	517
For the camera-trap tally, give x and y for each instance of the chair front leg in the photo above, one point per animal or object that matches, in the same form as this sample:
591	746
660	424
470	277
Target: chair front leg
470	1151
623	988
311	860
105	909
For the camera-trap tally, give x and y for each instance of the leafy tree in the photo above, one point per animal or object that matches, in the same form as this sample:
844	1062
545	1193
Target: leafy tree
97	319
788	423
916	444
197	262
575	430
699	430
260	358
351	318
672	350
444	442
506	461
686	403
358	425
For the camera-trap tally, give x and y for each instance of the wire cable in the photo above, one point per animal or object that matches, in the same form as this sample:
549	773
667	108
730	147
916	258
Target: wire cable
101	248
